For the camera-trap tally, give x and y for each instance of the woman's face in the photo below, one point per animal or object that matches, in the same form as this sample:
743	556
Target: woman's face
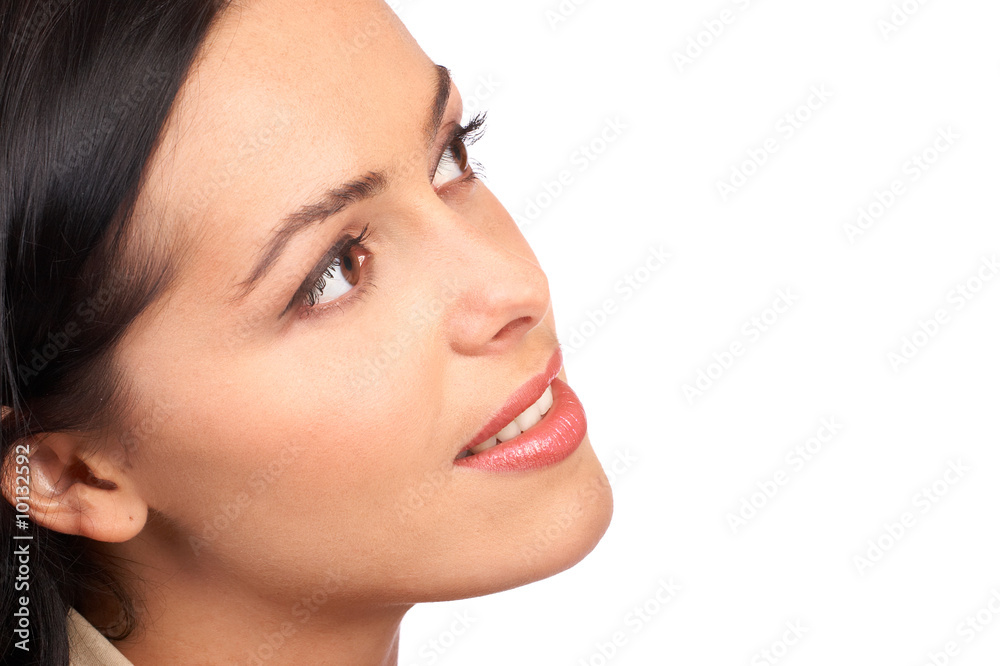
291	436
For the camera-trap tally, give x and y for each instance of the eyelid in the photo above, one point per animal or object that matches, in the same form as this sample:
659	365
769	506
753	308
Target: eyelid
470	133
453	130
346	239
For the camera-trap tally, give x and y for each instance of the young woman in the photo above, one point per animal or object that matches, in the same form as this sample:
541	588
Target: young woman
276	365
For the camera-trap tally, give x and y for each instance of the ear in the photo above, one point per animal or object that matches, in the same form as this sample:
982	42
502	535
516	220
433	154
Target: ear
75	490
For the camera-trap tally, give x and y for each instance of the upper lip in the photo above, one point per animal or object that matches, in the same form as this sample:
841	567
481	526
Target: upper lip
524	397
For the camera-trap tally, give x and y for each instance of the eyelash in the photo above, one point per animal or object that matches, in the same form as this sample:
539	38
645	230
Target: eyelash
461	140
465	137
332	260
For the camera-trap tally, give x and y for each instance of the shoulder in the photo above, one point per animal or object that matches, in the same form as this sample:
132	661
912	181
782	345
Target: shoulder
88	647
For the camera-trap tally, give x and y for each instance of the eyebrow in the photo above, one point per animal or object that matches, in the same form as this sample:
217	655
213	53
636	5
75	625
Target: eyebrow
339	197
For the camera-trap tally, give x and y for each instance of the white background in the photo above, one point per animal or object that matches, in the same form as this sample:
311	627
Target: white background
552	88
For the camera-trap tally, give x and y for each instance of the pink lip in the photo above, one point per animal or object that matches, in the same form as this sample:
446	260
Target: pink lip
554	438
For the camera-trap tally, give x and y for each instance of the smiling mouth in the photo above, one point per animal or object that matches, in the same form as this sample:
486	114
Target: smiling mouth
524	421
542	424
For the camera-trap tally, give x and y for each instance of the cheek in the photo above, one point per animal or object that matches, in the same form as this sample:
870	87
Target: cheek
336	422
219	449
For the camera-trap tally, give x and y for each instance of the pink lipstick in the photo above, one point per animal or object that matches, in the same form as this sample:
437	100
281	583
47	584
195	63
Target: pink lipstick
525	442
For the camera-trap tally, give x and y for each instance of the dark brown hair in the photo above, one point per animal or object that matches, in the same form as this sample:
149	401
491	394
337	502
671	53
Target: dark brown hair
85	89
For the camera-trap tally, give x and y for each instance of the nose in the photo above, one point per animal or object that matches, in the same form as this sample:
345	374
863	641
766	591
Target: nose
501	294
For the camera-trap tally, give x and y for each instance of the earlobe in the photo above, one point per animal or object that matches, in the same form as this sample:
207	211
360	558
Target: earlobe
75	490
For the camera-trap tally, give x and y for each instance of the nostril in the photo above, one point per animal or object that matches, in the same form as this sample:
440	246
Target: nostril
512	327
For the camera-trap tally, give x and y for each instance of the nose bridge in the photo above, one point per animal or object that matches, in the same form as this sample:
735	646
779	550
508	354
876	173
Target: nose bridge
498	292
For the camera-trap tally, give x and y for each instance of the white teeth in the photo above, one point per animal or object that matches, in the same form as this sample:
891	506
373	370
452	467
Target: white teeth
479	448
529	417
526	419
510	431
544	403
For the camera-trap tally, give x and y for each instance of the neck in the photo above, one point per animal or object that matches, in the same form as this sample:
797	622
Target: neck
190	616
192	628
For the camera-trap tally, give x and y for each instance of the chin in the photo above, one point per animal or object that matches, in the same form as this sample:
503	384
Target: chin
550	542
572	528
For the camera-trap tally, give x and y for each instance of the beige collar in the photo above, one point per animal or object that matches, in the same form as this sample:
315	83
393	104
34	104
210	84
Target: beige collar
87	647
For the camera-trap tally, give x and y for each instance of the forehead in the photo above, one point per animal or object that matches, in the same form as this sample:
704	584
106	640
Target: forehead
286	97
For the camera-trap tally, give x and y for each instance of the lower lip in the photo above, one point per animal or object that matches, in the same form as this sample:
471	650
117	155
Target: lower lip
551	440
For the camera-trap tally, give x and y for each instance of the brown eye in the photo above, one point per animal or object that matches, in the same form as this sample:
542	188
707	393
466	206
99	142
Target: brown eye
342	275
351	263
453	165
461	155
